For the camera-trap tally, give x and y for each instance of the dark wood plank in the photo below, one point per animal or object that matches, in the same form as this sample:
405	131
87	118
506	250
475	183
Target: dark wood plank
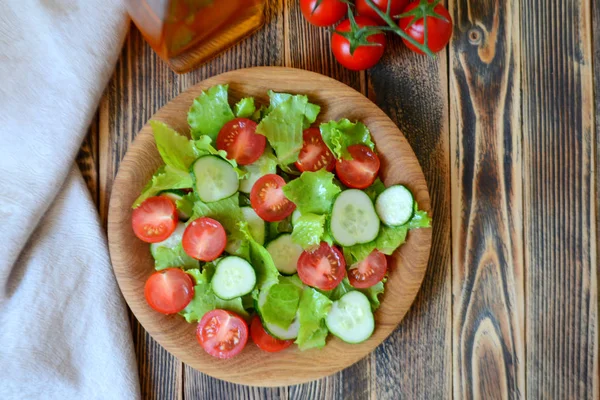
142	84
559	199
487	228
88	159
414	363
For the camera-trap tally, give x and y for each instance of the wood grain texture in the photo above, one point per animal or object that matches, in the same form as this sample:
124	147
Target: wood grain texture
88	159
559	200
487	220
133	263
415	362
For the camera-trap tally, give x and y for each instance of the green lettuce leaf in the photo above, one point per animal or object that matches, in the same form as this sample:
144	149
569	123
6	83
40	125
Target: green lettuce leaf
262	262
209	112
375	189
165	178
245	108
266	164
176	150
283	125
204	147
338	135
282	301
344	287
420	219
274	229
309	230
313	192
165	257
312	310
185	205
205	300
387	241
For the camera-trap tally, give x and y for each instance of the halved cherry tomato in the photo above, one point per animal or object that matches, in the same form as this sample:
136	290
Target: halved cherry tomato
265	341
155	219
268	200
327	13
315	154
396	8
204	239
323	268
239	139
169	291
364	56
369	271
222	334
439	31
359	172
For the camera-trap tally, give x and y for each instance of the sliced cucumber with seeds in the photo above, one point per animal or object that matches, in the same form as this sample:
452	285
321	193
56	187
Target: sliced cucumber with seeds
234	277
285	254
353	218
215	178
277	332
395	205
351	318
256	225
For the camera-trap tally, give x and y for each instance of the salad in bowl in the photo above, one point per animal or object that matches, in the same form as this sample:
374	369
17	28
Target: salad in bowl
264	226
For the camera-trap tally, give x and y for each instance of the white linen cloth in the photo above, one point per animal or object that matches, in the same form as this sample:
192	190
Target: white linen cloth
64	332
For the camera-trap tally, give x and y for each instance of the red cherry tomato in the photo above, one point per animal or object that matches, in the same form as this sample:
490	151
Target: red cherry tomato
265	341
239	139
369	271
169	291
315	154
204	239
268	201
222	334
439	31
361	171
396	8
155	219
364	56
327	13
323	268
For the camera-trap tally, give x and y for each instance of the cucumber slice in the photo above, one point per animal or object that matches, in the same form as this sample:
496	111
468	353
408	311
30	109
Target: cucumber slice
295	216
395	205
277	332
234	277
176	195
215	178
171	241
261	167
351	318
285	254
353	218
256	225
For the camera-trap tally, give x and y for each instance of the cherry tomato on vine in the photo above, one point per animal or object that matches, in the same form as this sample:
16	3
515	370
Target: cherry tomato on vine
323	12
396	8
352	48
439	30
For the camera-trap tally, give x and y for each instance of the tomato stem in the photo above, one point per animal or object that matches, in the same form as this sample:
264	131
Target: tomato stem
358	36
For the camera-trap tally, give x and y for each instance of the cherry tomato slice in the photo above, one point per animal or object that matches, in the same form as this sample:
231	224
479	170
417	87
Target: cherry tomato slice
369	271
439	31
327	13
239	139
323	268
155	219
169	291
204	239
222	334
396	8
315	154
265	341
359	172
363	57
268	201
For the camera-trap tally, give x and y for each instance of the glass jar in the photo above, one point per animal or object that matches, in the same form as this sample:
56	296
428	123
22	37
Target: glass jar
187	33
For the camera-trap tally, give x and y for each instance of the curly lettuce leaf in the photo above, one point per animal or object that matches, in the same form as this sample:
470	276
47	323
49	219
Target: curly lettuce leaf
262	262
309	230
344	287
209	112
282	301
313	192
312	310
266	164
165	178
165	257
176	150
205	300
185	205
375	189
338	135
245	108
288	115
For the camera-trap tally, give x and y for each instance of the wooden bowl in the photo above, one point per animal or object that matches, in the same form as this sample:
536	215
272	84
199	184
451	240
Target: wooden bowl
133	263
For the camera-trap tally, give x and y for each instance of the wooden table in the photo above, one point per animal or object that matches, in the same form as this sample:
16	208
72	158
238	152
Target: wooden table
503	125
